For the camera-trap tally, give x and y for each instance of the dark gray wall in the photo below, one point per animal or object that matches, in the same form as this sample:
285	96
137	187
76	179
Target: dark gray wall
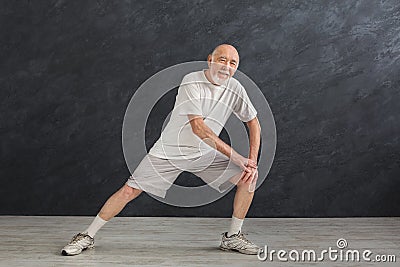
330	72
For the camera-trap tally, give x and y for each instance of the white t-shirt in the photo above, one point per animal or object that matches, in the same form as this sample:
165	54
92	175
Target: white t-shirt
197	96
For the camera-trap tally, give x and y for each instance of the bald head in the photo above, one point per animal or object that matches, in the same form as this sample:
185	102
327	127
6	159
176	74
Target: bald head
226	49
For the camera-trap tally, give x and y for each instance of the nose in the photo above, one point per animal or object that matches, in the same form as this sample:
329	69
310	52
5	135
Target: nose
225	66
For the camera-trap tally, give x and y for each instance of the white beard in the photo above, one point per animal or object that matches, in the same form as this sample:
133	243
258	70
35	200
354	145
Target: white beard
218	80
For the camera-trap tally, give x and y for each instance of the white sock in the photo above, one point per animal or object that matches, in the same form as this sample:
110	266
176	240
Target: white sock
97	223
236	226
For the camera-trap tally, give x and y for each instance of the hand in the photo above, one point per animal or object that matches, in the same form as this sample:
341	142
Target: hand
245	164
250	177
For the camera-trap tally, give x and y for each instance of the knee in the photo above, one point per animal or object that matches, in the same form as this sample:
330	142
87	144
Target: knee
244	187
129	193
240	184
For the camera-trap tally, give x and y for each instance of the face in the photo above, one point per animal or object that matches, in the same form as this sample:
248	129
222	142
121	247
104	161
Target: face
223	64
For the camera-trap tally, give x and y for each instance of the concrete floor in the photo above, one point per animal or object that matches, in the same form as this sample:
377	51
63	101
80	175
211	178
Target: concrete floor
160	241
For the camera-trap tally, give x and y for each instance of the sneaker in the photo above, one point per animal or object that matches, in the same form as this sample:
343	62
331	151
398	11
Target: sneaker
238	242
79	242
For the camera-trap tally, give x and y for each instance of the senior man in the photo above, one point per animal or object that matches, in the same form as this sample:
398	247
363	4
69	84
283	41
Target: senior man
190	142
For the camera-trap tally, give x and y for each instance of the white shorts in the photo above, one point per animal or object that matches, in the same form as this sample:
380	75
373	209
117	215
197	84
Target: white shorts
156	175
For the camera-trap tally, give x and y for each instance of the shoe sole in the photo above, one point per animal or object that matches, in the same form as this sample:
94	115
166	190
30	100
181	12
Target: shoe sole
64	253
238	250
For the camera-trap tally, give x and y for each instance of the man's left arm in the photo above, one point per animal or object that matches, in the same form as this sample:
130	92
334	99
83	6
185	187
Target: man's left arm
254	138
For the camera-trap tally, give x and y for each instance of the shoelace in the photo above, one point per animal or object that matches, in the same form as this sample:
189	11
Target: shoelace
77	238
242	237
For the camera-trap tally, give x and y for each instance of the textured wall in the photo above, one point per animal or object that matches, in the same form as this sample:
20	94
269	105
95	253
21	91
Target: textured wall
329	69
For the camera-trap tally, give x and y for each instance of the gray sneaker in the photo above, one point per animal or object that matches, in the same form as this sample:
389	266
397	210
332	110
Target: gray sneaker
79	242
238	242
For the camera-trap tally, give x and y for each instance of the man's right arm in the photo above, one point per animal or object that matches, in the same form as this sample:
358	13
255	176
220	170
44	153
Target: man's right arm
204	132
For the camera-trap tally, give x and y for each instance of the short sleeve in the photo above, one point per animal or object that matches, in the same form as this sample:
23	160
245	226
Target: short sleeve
243	108
188	100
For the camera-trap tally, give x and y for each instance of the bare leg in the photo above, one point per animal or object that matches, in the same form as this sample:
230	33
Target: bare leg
242	201
234	239
118	201
112	207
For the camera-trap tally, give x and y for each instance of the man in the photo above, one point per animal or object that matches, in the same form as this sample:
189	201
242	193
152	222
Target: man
190	142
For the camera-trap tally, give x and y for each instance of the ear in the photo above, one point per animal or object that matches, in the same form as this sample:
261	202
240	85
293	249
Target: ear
209	59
